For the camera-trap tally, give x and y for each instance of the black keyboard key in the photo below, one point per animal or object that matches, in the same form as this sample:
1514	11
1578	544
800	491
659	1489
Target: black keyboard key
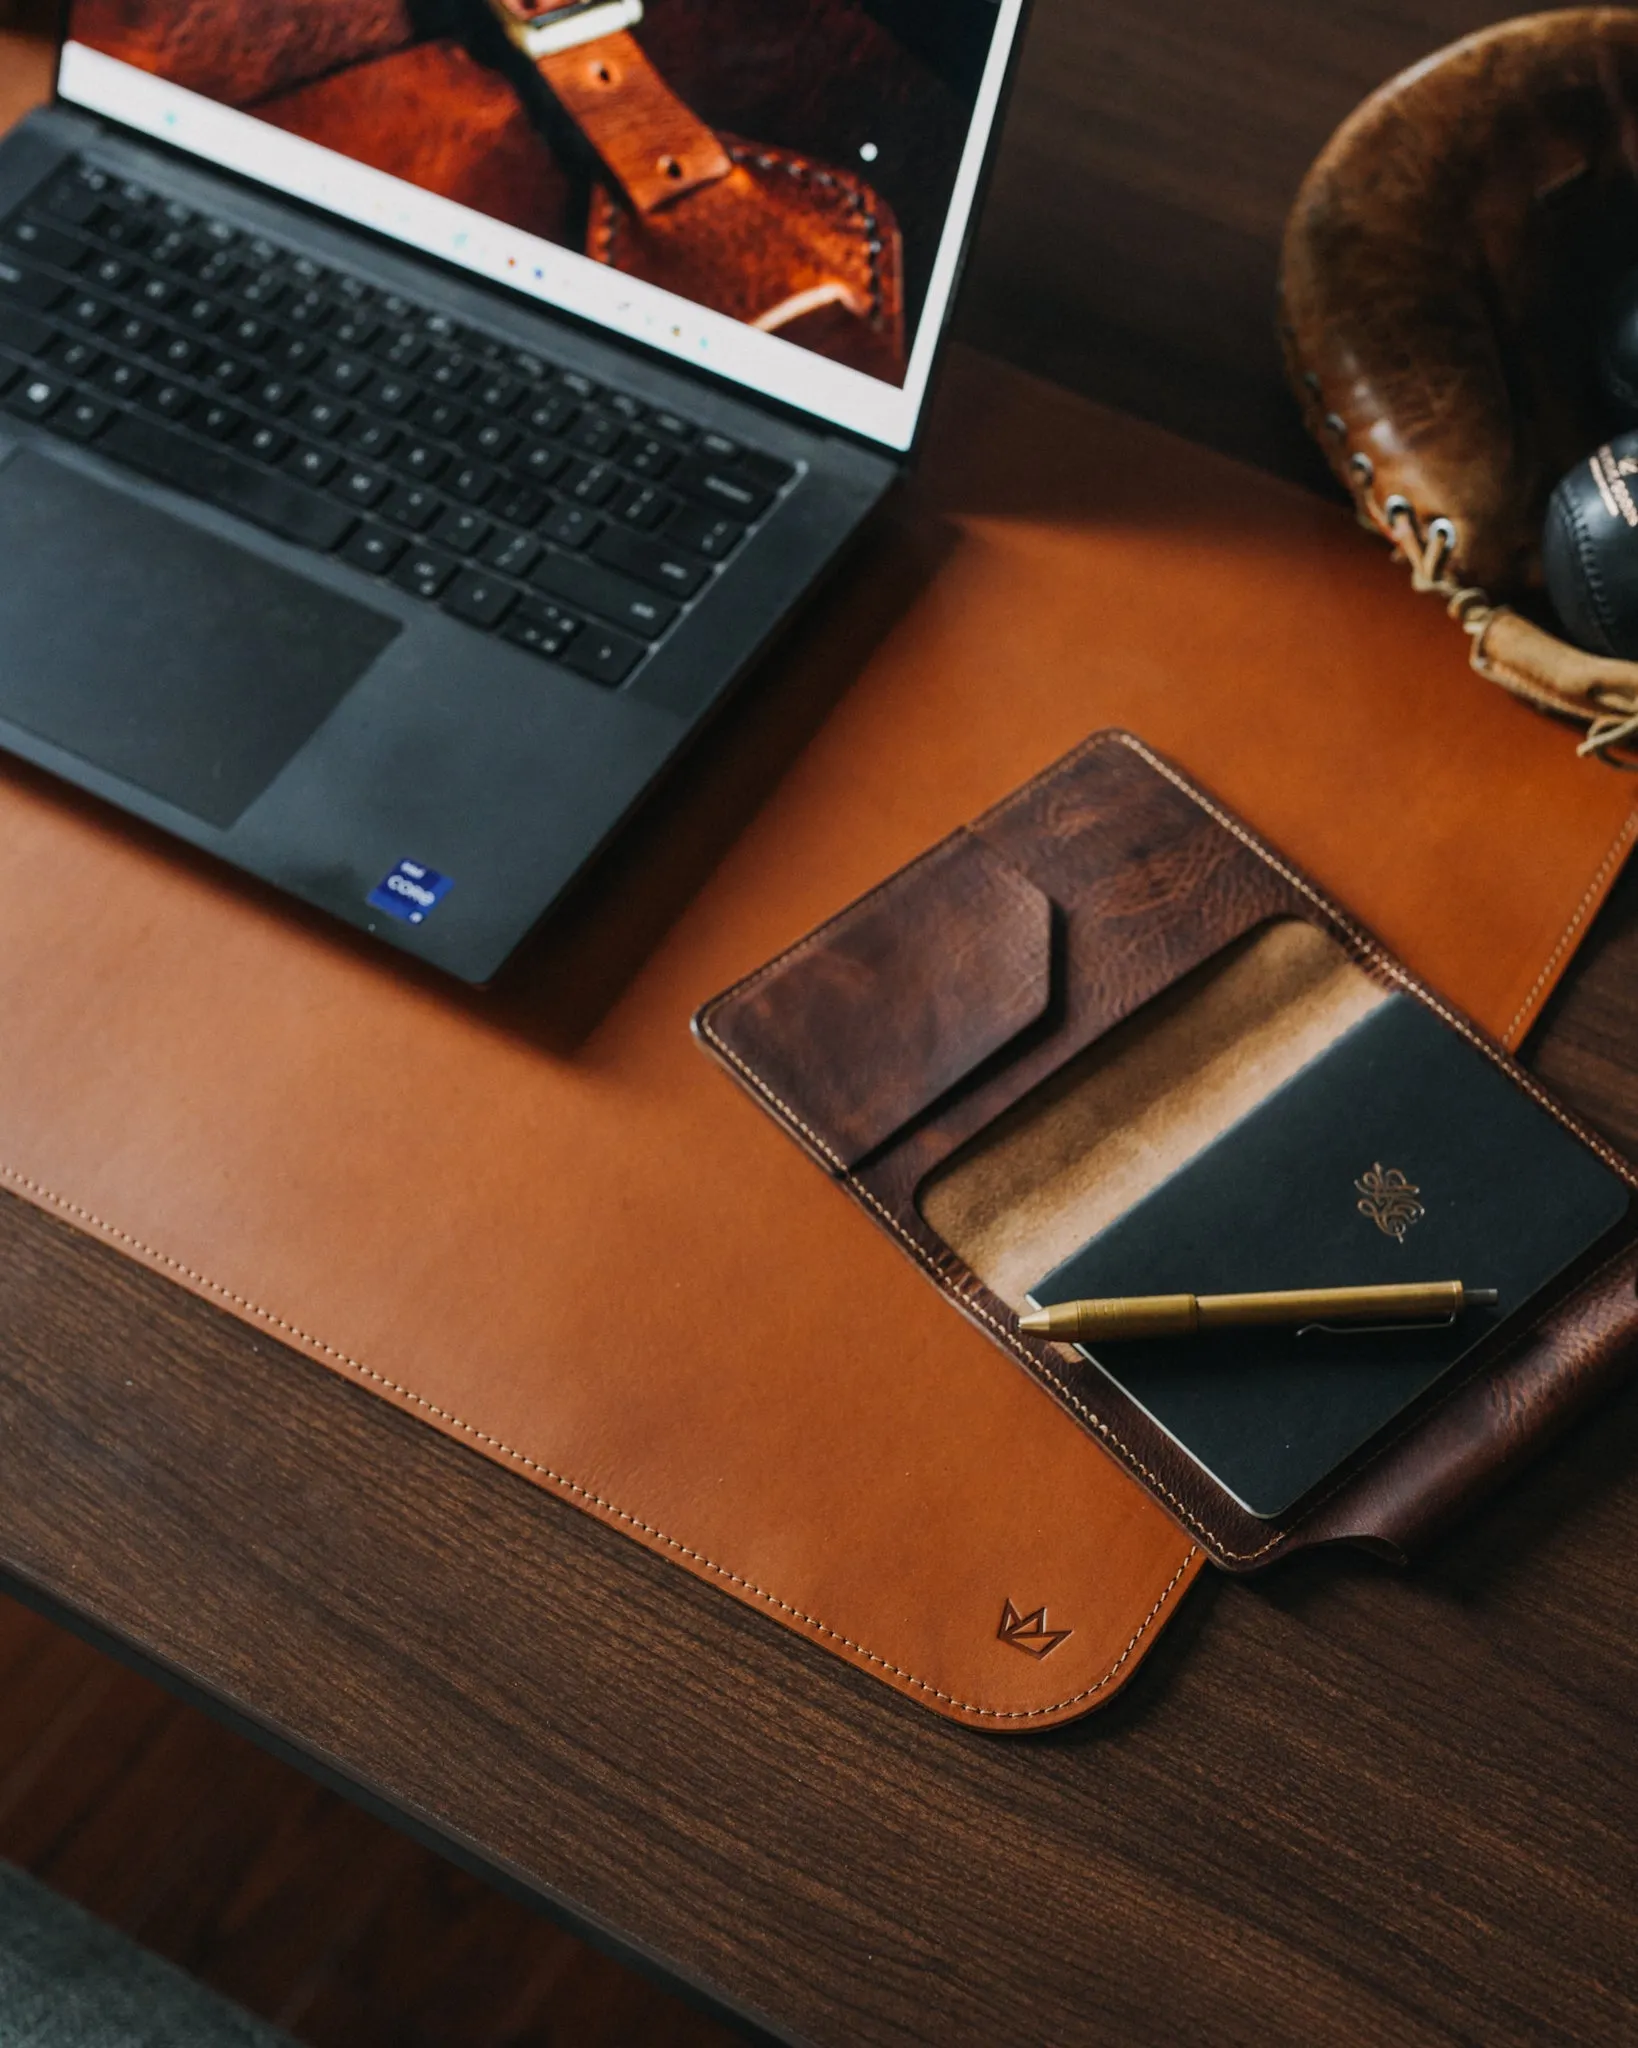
655	562
266	291
541	627
355	330
250	331
479	599
472	482
496	393
47	244
461	529
134	330
441	416
219	271
541	461
362	487
228	373
24	331
113	273
611	596
85	309
494	440
514	554
547	413
412	505
347	372
449	370
221	422
581	385
179	353
571	526
229	482
402	351
83	417
704	533
590	483
624	407
307	309
375	548
421	460
393	395
274	394
672	426
596	433
602	656
713	483
372	437
424	570
202	313
9	373
296	352
75	356
167	398
122	380
649	458
520	504
312	465
267	443
769	469
36	289
642	506
321	414
159	294
719	448
75	198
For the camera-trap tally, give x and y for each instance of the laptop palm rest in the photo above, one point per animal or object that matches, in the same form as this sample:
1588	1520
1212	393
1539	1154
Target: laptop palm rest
160	653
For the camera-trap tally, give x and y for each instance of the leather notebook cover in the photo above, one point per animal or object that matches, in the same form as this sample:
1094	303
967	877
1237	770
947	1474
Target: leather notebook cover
1007	1048
254	1103
1486	1187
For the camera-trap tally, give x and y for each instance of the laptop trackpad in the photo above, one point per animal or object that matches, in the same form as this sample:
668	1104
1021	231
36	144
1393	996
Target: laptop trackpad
159	653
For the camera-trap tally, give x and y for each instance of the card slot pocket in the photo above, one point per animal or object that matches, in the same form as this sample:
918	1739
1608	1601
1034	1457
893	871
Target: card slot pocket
858	1030
1089	1142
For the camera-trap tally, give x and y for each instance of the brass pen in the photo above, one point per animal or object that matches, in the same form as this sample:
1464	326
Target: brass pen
1180	1315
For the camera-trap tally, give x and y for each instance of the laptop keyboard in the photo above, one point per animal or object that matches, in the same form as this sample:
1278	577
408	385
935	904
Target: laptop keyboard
572	519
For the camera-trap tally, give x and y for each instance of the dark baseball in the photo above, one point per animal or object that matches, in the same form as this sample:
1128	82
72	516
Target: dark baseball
1589	550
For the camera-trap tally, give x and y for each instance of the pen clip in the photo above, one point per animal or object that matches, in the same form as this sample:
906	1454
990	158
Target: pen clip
1385	1329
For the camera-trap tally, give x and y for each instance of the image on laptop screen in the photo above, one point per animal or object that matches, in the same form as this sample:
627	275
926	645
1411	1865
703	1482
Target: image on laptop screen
775	190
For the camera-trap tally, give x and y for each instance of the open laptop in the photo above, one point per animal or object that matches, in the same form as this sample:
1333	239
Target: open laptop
415	415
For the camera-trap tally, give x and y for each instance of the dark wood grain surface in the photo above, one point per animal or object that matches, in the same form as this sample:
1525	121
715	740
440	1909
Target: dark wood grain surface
1337	1805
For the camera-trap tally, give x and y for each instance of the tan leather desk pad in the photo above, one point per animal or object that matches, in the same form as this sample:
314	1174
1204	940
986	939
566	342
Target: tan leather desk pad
545	1222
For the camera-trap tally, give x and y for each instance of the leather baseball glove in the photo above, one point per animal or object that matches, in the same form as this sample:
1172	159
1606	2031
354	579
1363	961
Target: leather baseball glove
1444	272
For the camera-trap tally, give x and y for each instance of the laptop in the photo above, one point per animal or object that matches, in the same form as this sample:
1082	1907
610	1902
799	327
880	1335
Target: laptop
417	415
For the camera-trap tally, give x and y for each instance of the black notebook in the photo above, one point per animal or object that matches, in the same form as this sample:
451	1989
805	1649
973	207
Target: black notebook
1399	1153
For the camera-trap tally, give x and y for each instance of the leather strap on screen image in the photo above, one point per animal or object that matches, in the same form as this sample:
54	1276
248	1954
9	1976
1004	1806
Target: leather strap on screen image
765	236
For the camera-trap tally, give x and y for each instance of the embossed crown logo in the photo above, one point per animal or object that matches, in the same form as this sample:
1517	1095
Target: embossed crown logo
1389	1199
1029	1632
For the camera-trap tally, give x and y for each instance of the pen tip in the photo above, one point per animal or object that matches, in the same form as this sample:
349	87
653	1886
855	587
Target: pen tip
1482	1297
1036	1324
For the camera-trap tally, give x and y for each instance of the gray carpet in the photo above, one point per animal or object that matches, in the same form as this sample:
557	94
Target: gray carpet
66	1981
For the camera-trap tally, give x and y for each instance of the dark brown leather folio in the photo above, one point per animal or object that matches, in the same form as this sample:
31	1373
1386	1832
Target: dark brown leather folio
1012	1041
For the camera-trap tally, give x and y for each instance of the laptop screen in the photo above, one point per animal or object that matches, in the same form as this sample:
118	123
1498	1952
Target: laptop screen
774	190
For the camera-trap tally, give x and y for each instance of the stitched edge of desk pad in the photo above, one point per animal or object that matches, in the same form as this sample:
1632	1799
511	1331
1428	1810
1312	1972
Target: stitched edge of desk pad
582	1497
969	1292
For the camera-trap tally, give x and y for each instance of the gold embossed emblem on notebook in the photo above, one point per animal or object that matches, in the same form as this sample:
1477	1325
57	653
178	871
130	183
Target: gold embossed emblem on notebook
1389	1199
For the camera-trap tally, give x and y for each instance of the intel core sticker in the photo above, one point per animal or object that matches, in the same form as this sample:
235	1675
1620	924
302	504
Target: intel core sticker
410	892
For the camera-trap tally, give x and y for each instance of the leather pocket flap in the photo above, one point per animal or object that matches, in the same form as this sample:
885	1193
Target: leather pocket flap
864	1024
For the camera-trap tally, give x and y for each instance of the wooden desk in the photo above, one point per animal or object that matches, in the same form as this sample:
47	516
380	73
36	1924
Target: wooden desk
1337	1805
